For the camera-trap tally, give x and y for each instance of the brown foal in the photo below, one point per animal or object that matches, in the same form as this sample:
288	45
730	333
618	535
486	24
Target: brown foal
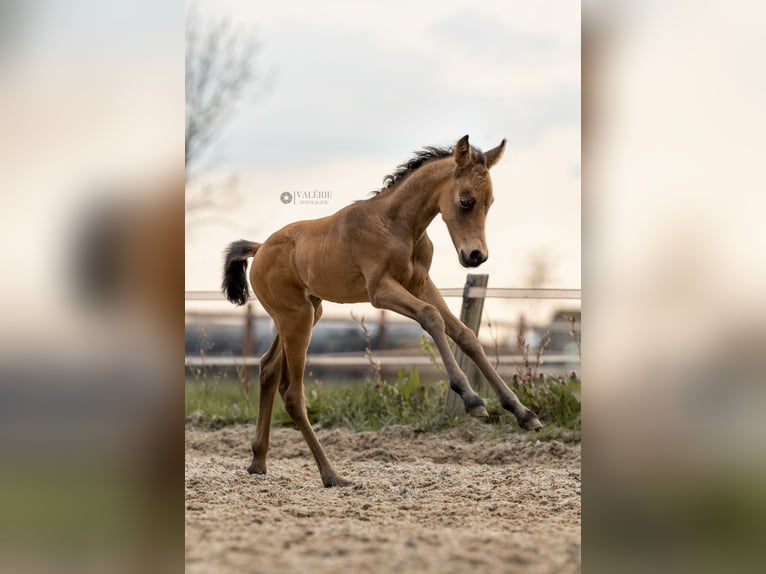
375	250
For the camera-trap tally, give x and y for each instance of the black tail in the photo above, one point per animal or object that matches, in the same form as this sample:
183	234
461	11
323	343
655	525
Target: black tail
235	263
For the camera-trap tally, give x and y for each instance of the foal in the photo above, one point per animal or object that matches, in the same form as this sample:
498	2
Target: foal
375	250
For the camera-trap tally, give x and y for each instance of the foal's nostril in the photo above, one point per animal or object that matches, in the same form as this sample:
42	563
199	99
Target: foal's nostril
476	258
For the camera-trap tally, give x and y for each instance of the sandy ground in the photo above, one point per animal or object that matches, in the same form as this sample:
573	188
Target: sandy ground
457	502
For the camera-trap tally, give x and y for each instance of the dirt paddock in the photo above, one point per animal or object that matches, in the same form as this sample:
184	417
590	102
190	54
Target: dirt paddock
459	501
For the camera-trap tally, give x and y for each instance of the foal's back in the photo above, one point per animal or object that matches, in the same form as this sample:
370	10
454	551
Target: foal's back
319	255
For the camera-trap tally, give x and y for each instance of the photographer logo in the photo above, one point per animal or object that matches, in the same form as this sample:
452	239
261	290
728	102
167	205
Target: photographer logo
314	197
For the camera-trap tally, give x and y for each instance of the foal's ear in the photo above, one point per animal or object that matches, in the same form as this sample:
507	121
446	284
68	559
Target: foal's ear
493	156
462	152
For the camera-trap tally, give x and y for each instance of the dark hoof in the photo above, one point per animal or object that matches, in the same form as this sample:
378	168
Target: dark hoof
475	407
531	423
335	480
256	469
477	411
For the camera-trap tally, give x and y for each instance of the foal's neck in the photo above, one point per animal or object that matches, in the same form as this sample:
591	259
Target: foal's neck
415	201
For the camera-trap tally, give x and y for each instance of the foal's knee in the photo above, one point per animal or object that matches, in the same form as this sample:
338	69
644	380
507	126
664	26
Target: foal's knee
467	340
431	319
293	403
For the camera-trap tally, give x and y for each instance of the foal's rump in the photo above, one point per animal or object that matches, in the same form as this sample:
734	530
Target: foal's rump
235	264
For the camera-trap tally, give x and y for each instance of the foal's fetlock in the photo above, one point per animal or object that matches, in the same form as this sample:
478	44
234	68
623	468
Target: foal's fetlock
258	466
475	407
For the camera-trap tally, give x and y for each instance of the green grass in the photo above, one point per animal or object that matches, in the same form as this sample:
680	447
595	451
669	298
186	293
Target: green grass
555	399
408	401
220	402
372	406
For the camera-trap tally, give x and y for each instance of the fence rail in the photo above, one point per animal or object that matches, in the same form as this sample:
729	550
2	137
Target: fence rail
470	293
361	361
473	293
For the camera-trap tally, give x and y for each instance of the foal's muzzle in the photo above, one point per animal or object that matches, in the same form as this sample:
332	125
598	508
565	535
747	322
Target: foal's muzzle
473	259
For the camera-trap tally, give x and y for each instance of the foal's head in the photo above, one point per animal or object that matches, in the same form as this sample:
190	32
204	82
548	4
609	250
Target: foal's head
465	204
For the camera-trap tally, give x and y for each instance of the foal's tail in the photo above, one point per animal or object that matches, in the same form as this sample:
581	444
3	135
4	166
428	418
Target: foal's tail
235	263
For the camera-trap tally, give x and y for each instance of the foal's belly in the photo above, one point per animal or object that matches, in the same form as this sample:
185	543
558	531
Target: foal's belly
339	291
337	284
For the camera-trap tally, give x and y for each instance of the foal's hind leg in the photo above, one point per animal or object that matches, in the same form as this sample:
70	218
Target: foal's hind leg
295	330
467	341
272	371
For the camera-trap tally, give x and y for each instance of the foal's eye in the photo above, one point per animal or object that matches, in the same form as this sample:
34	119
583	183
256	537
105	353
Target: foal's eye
466	203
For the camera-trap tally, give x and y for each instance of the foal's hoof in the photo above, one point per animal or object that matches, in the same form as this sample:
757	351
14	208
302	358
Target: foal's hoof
335	480
256	469
477	411
531	423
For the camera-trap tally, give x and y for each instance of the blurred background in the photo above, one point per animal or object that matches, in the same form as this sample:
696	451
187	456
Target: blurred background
93	169
92	177
673	141
312	98
288	100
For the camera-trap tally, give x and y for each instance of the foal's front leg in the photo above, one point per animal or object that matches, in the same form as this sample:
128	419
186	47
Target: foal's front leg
389	294
467	341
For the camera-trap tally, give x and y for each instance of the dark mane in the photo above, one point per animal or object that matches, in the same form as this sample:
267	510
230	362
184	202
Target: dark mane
426	154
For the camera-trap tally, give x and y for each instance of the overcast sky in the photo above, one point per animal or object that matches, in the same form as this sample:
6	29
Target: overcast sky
353	89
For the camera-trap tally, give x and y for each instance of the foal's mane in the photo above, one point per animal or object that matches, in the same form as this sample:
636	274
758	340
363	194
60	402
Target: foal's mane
422	156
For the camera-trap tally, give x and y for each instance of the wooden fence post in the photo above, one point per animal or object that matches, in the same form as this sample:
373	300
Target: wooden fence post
470	315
